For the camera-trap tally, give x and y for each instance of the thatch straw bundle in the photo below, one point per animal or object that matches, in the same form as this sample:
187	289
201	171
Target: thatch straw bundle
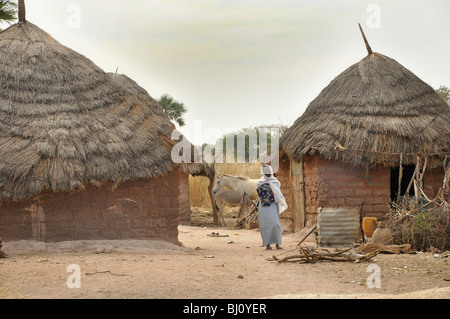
65	123
370	114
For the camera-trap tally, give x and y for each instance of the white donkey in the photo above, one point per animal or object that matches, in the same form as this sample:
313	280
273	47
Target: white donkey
231	198
237	183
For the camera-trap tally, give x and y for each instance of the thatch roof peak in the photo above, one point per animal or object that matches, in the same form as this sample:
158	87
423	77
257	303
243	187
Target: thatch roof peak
370	114
369	49
65	123
21	11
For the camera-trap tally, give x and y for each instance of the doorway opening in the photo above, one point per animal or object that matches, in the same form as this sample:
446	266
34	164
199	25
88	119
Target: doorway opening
408	171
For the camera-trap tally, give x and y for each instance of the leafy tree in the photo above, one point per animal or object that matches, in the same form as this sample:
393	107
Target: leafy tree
251	138
174	110
444	92
8	11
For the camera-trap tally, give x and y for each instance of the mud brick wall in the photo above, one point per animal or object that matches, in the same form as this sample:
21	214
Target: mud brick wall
333	184
284	176
185	205
142	209
433	180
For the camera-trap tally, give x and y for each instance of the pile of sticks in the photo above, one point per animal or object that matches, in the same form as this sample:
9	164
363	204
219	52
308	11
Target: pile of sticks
312	255
360	253
356	253
252	217
2	254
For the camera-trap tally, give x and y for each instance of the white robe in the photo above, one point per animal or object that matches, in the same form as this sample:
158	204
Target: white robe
269	216
275	185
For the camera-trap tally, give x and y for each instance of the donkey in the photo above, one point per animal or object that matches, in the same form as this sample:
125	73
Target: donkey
232	198
237	183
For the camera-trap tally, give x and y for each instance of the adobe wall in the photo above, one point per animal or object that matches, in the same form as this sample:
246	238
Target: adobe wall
433	181
142	209
284	177
185	204
333	184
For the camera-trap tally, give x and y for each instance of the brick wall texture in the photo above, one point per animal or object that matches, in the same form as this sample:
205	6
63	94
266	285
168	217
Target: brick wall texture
142	209
333	184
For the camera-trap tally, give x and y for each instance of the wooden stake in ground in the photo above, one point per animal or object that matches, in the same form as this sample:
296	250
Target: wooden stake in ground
400	175
304	238
361	217
210	172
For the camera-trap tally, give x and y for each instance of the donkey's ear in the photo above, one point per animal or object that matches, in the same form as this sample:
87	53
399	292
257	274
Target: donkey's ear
220	176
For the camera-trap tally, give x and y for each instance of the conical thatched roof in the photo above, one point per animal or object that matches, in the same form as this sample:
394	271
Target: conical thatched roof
370	114
65	123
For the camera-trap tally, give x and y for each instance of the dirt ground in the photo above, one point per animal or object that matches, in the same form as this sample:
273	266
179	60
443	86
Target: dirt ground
204	267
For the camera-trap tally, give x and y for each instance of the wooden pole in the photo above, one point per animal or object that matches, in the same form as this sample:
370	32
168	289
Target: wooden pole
2	254
416	171
211	195
361	217
297	184
22	11
400	175
369	49
423	172
304	238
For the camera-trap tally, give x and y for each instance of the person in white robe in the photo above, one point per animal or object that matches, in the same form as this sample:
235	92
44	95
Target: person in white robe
271	204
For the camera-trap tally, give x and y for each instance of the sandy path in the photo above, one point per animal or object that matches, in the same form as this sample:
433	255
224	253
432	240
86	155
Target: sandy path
207	268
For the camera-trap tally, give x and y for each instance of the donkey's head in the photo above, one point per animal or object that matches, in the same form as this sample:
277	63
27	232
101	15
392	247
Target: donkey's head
219	183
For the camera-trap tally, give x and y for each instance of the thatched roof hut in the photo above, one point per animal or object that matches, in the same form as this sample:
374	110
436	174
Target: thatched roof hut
65	123
78	142
370	114
347	147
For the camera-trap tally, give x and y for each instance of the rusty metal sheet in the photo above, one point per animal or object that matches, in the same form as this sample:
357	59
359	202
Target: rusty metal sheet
338	226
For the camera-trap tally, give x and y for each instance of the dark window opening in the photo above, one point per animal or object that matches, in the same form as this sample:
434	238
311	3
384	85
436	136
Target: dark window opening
408	171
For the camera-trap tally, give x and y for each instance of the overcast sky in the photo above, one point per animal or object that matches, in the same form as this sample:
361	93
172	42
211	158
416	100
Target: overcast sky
242	63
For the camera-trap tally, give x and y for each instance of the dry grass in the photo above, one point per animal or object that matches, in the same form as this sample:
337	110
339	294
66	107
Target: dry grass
198	186
425	228
422	222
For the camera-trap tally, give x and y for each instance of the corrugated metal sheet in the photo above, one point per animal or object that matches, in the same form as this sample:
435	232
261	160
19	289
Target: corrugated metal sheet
338	226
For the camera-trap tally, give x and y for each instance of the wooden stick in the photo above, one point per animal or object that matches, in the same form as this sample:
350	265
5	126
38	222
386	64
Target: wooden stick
423	194
314	256
423	172
22	12
369	49
416	192
304	238
400	176
446	177
2	254
412	178
211	195
361	223
104	272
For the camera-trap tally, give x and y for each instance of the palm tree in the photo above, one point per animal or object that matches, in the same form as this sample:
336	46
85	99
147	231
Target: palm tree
174	110
444	92
8	11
